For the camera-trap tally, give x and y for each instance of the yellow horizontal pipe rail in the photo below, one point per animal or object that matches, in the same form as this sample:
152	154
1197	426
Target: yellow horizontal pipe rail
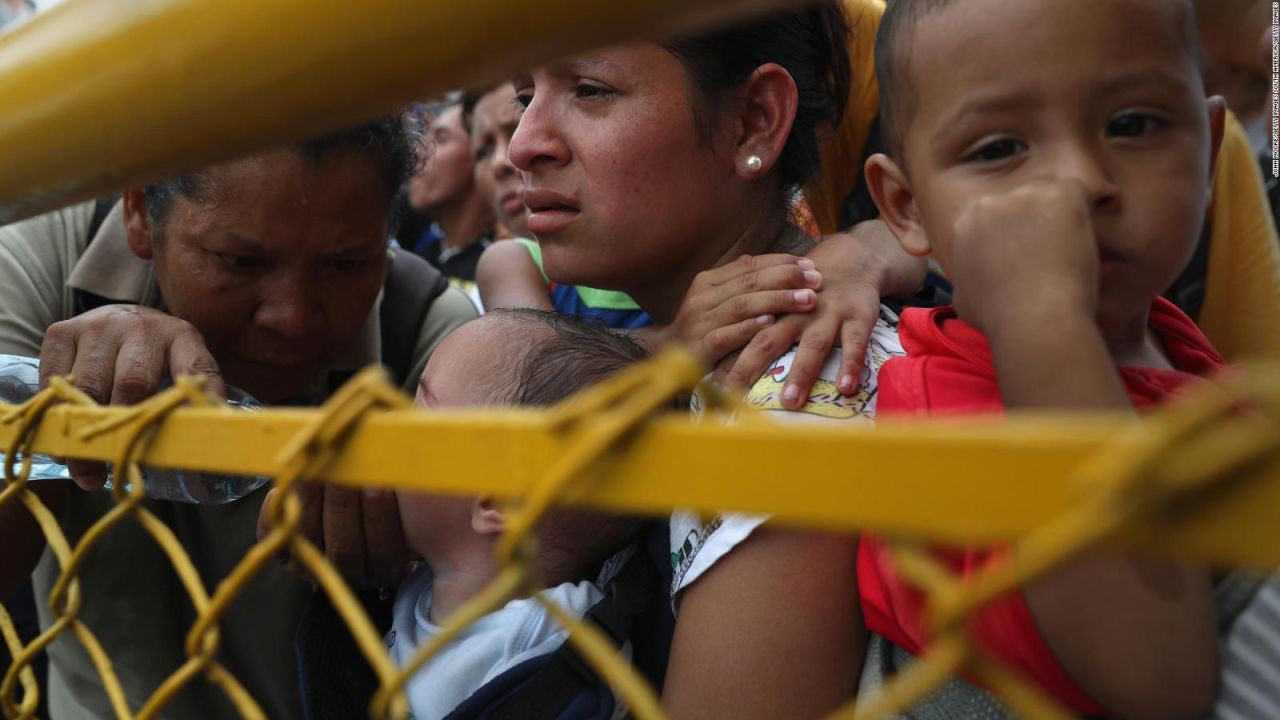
96	95
969	483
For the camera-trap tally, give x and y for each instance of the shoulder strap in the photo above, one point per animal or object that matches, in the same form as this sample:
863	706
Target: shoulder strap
410	288
565	677
86	301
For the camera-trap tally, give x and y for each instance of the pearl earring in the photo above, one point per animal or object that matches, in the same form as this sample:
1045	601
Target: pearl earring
754	163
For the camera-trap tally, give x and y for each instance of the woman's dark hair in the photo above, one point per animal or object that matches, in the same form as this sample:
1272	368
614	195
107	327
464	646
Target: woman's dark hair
389	143
811	42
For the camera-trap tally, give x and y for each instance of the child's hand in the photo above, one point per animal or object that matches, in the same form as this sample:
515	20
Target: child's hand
1025	255
860	266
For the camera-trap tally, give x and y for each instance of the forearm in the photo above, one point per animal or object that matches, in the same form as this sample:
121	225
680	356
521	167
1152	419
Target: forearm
878	258
1136	634
1059	363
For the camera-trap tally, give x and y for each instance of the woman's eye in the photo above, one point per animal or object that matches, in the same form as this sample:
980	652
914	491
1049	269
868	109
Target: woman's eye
241	262
523	99
589	91
482	151
1132	125
997	150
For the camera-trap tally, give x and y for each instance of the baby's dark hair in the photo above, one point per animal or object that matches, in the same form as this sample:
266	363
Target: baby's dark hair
893	41
811	42
575	354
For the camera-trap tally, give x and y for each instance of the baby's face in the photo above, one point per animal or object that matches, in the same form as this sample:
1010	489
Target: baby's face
1102	92
460	373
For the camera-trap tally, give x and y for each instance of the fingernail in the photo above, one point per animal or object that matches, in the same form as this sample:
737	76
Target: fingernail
813	277
846	383
790	395
804	297
806	264
764	320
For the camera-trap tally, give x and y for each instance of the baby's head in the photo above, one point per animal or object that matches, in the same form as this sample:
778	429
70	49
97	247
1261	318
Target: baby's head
515	357
981	97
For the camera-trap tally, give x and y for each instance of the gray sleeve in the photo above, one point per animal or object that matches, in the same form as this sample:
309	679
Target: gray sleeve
449	312
36	257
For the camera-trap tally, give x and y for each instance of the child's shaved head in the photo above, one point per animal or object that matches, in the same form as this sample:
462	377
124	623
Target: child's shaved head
893	50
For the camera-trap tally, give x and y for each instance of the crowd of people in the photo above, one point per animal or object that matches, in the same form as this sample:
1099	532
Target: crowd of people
936	208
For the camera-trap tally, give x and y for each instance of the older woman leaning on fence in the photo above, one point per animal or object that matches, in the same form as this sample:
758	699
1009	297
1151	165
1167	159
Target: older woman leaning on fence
267	273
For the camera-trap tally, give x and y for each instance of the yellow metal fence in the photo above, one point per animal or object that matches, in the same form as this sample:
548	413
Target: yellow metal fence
1199	480
86	114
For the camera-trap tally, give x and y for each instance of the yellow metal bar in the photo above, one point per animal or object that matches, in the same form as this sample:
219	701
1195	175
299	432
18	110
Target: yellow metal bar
99	94
962	482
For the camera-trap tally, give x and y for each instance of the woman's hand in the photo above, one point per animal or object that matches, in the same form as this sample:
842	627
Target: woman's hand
728	306
859	267
121	354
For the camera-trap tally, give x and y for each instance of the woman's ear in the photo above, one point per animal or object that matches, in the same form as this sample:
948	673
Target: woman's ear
892	192
767	115
137	224
486	518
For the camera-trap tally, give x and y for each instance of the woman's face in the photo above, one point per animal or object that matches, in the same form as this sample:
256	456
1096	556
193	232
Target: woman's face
493	121
623	191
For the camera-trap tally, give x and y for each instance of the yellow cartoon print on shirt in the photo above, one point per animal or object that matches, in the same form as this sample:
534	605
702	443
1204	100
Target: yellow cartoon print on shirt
824	399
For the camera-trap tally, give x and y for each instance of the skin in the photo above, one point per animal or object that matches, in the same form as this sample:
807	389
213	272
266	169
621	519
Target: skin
1236	37
251	263
1060	178
608	145
597	144
493	121
247	271
445	188
457	535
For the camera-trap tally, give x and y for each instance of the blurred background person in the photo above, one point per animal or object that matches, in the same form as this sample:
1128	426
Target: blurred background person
491	116
11	11
1236	36
444	191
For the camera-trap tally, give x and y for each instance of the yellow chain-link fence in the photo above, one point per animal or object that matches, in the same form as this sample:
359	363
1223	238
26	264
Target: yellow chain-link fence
1188	480
1199	480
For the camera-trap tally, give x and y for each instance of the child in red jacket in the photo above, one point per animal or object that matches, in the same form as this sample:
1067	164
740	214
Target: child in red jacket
1055	158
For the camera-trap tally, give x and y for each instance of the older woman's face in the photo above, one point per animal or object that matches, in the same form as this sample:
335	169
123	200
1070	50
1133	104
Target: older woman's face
277	264
622	189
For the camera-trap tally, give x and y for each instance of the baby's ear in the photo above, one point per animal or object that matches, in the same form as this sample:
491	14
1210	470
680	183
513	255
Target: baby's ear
893	195
486	518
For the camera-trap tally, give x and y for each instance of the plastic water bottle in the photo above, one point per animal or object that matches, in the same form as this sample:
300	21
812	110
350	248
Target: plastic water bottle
20	380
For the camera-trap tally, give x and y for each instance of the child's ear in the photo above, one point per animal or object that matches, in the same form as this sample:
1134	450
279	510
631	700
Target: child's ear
486	518
892	193
765	120
137	224
1217	108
